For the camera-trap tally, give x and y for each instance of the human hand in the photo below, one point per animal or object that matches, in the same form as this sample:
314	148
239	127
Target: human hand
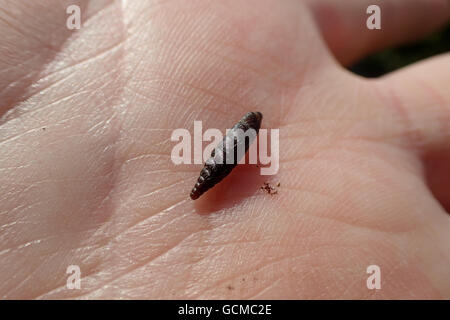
85	170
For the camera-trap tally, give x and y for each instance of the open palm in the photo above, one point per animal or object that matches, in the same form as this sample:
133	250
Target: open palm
87	180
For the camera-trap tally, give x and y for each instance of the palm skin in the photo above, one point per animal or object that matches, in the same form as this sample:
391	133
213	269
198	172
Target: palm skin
85	170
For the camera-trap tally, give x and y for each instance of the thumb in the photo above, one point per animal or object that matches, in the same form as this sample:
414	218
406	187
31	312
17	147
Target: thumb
420	96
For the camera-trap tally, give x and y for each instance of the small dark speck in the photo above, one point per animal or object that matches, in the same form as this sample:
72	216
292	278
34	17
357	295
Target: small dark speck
230	288
269	189
44	128
278	184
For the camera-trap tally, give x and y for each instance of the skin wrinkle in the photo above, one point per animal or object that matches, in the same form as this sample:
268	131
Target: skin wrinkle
48	293
380	262
16	82
316	159
350	286
189	269
310	156
79	63
419	117
86	276
340	148
412	170
36	184
155	5
398	109
193	234
395	137
28	36
42	240
138	266
6	212
234	63
9	212
99	245
339	221
145	220
19	95
148	98
441	102
208	93
70	72
12	67
231	102
34	111
122	187
157	214
182	97
106	195
264	290
131	37
231	242
239	275
29	276
386	278
440	247
230	278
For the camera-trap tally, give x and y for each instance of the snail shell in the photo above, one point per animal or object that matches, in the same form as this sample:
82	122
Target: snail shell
225	157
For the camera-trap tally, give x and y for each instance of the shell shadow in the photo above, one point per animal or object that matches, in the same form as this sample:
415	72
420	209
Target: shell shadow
243	182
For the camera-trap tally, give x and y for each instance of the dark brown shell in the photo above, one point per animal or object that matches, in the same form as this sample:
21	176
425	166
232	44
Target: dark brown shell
216	168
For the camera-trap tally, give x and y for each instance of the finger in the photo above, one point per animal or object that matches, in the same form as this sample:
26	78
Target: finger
343	24
418	100
437	173
419	95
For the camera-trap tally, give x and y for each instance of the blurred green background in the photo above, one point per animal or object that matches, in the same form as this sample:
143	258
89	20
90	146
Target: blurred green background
395	58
